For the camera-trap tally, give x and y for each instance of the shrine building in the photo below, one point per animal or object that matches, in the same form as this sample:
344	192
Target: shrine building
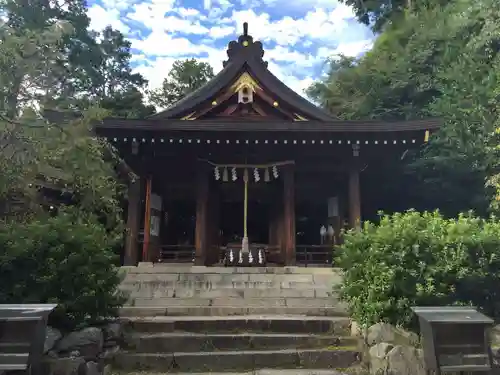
245	158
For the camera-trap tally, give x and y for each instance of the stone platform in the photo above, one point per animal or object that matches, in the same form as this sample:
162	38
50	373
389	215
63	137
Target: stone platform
205	291
216	319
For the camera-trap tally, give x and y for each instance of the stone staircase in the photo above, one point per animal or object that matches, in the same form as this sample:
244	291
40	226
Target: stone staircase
213	319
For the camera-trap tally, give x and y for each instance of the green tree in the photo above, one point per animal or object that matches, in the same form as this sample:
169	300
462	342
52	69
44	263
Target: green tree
37	248
184	77
127	104
379	13
440	62
115	73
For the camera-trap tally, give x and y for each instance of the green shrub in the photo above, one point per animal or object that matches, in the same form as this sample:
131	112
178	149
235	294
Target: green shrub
67	259
414	258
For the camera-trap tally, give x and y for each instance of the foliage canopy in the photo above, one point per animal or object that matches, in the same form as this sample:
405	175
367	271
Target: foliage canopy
439	61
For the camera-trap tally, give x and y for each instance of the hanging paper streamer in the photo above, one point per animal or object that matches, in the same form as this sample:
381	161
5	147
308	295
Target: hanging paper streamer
270	171
275	171
256	175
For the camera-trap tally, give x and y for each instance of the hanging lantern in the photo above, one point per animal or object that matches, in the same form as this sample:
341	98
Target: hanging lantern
267	177
256	175
234	176
217	173
275	171
225	176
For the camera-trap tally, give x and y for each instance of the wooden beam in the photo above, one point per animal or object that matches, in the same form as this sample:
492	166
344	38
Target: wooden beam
354	199
134	200
289	205
147	220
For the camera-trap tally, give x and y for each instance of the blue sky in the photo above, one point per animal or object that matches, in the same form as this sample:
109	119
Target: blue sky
298	35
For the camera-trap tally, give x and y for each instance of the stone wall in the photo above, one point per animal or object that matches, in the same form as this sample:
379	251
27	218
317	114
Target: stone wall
82	352
392	351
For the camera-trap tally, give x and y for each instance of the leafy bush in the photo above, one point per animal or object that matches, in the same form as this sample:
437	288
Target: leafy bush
414	258
65	259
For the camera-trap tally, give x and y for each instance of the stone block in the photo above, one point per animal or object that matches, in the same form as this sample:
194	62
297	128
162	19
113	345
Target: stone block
311	302
88	341
129	362
206	293
278	292
52	335
328	280
384	332
236	278
324	293
327	358
202	277
64	366
172	302
377	358
249	302
251	285
293	278
405	360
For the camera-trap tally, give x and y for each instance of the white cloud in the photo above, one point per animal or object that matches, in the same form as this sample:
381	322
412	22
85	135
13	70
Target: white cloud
116	4
189	12
101	18
177	32
319	24
217	32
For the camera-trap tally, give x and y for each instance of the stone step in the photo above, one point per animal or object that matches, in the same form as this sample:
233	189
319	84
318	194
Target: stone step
271	302
203	342
291	324
257	372
183	268
302	277
235	360
132	285
201	311
186	292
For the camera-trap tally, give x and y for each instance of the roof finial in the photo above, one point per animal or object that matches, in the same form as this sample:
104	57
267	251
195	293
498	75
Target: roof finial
245	28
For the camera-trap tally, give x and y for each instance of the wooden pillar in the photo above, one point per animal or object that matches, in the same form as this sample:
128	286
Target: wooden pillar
147	220
289	215
276	255
354	199
201	231
134	200
213	226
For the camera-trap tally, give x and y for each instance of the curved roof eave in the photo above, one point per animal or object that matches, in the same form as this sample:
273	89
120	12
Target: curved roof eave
212	87
230	73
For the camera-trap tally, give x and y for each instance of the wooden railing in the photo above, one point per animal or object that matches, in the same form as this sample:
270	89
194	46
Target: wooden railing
314	255
177	253
306	255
